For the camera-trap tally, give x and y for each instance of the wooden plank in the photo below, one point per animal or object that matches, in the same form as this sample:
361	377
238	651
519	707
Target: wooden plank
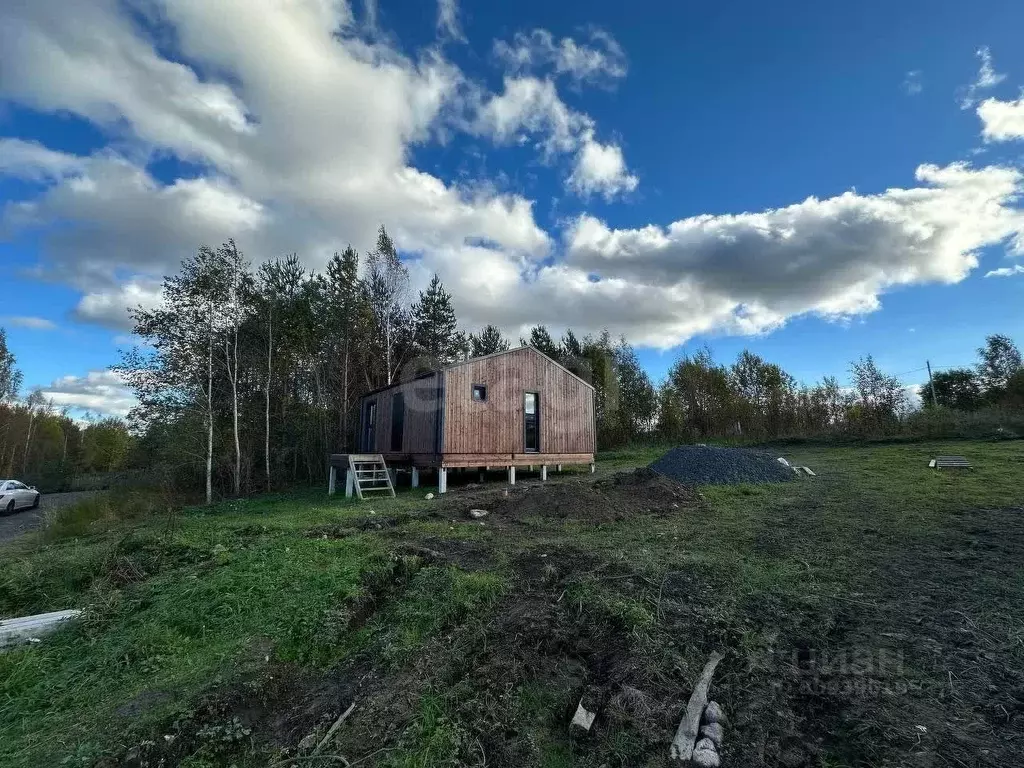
952	462
22	629
517	460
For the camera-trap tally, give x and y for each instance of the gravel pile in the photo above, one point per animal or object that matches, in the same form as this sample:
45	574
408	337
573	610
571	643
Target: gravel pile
706	465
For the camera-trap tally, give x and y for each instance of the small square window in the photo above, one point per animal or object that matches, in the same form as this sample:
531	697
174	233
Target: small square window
479	393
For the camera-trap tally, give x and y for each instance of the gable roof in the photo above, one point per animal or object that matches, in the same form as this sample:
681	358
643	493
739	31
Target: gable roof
428	374
518	349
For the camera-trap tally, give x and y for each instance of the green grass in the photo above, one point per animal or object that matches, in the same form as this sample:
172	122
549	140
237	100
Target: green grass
189	602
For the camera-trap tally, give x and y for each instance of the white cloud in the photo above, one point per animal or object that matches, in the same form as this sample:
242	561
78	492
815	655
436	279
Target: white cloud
601	169
111	307
987	78
834	258
306	150
602	61
448	19
32	161
102	393
1016	269
529	106
1002	120
912	82
29	322
303	135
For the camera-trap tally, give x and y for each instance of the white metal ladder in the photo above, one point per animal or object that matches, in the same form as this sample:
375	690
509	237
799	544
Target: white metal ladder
369	473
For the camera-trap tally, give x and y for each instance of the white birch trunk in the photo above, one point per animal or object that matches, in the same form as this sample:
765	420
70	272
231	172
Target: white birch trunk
28	439
209	407
344	400
387	350
270	373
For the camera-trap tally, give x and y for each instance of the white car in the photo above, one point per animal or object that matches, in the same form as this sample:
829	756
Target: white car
15	495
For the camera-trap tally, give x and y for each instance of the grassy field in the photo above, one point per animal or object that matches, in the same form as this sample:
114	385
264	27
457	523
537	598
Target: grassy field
872	615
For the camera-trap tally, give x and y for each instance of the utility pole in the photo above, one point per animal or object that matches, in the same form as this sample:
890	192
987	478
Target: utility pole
931	382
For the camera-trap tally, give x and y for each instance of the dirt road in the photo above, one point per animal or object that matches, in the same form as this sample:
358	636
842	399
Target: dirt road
25	520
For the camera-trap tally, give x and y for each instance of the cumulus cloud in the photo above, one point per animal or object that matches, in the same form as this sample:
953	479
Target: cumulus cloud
1016	269
303	134
305	151
102	393
29	322
1002	120
530	107
601	169
987	78
601	61
833	258
111	307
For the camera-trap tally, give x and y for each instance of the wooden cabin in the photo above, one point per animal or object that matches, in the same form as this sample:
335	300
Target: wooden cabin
510	409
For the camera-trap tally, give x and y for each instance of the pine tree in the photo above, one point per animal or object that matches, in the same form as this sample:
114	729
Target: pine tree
541	340
349	319
487	342
437	334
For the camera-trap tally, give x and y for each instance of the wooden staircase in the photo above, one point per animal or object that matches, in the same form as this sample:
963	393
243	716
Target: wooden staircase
369	474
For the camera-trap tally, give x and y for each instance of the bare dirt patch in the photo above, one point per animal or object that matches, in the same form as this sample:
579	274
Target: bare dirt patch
608	499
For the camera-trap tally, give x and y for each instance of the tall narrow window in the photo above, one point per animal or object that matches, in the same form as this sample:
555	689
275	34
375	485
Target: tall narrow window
370	427
531	422
397	421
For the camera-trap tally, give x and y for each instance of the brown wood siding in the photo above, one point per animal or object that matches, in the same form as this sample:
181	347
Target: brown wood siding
496	426
420	431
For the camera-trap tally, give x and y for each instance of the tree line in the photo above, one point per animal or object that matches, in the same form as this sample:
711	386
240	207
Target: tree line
42	444
756	399
248	377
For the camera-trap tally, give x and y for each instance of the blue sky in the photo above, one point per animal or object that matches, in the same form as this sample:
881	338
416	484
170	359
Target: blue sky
733	174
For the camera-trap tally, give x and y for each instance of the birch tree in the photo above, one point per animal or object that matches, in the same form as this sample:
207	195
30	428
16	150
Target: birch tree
387	293
173	371
10	376
235	270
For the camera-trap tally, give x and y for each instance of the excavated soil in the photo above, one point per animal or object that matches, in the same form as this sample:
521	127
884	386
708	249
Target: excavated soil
606	500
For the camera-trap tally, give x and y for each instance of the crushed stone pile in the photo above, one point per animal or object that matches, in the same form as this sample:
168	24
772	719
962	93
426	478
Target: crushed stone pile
708	465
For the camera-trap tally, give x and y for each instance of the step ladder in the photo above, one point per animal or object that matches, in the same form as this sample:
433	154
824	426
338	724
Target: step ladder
369	474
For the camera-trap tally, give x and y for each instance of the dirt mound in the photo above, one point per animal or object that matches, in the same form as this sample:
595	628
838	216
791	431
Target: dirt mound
708	465
617	497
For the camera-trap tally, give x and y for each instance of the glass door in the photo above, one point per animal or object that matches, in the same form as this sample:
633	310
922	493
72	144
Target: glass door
531	422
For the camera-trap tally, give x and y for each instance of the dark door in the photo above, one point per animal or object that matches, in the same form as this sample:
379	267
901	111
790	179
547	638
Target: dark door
531	422
397	421
370	427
